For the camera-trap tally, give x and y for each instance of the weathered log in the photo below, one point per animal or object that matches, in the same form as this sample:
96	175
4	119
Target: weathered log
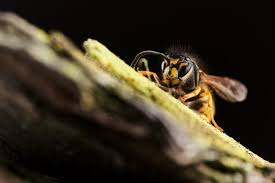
74	117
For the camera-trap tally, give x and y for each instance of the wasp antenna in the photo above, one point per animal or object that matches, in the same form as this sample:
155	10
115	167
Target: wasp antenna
145	53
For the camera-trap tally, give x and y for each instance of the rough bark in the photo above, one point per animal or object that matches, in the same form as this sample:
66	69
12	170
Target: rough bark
67	117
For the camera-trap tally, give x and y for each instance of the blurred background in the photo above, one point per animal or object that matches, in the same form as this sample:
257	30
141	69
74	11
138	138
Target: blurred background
234	39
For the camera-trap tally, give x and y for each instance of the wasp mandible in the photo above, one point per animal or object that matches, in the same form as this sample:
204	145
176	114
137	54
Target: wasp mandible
182	78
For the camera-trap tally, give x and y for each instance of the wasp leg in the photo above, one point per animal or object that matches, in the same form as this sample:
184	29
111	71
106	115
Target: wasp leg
211	112
149	73
191	94
213	122
204	105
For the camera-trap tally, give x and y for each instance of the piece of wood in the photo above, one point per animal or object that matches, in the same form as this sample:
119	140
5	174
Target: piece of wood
75	117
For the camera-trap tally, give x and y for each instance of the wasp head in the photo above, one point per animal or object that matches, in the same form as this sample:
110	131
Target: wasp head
178	69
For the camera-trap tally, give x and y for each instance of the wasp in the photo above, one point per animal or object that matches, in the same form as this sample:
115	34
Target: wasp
181	77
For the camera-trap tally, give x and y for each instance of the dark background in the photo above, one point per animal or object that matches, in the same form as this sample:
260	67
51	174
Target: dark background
234	39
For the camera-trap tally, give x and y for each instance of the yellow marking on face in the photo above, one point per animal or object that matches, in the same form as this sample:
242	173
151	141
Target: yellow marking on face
174	73
174	61
165	72
175	82
183	64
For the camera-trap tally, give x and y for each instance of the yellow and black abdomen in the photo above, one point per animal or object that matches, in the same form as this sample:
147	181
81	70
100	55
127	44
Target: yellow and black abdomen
203	103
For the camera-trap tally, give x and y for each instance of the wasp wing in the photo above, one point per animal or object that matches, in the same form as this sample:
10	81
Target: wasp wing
227	88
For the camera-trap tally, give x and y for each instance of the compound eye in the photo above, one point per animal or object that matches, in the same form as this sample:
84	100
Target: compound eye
184	68
163	65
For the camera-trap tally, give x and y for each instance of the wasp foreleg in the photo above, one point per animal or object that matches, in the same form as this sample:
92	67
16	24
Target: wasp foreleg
190	95
148	74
